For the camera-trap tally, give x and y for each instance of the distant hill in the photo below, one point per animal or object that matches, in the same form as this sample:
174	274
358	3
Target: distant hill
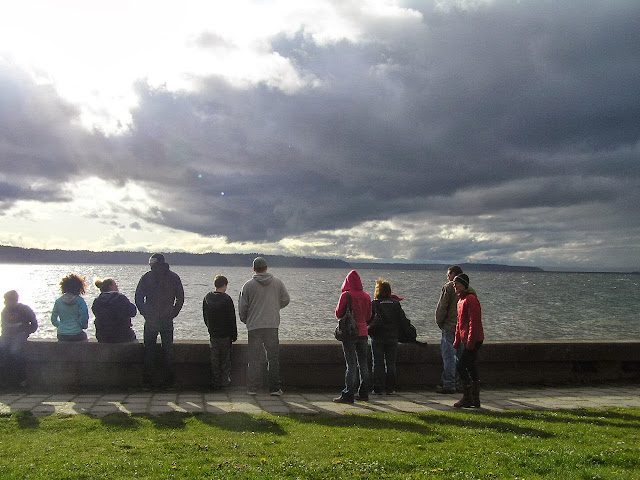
38	256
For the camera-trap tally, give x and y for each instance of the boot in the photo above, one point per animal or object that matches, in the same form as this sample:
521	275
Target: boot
466	400
475	394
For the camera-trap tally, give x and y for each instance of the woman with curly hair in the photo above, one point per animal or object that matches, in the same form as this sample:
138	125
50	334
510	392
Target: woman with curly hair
70	314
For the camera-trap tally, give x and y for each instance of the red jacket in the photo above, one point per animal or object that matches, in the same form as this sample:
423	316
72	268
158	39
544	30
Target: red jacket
360	301
469	328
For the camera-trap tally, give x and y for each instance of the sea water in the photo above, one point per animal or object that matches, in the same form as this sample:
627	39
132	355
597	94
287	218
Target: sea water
516	306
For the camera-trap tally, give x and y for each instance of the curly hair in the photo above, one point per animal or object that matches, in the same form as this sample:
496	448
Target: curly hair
74	284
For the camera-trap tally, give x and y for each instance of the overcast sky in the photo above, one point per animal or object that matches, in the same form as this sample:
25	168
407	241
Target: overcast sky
414	131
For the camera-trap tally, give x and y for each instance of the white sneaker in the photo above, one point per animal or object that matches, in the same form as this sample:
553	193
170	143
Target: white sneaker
277	393
251	392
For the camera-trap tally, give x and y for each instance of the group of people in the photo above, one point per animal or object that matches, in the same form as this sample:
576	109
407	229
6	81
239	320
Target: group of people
458	315
159	297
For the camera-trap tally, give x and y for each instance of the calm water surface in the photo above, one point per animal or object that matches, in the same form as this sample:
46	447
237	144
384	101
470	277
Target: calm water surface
515	306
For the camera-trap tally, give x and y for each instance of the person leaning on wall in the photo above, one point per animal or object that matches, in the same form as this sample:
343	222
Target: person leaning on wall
447	319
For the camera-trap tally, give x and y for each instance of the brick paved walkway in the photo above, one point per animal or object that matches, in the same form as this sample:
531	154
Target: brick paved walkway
236	400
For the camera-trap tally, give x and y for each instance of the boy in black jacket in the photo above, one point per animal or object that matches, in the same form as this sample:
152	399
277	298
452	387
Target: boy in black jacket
220	317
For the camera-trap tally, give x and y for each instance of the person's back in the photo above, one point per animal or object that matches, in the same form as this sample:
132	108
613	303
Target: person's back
259	304
159	298
220	315
113	312
261	300
159	295
360	301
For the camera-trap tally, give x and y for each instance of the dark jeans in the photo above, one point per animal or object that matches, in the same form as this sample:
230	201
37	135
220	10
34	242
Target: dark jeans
220	349
12	359
357	361
150	347
384	353
261	341
78	337
467	363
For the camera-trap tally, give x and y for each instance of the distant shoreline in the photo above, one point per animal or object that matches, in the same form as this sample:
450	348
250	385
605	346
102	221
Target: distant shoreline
18	255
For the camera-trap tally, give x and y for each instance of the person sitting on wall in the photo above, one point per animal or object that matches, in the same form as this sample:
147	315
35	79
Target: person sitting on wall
113	312
70	314
18	322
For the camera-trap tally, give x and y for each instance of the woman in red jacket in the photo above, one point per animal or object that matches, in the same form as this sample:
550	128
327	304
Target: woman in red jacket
355	351
469	336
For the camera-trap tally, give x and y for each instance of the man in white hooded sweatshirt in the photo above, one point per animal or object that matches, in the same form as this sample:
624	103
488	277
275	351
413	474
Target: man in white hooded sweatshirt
261	299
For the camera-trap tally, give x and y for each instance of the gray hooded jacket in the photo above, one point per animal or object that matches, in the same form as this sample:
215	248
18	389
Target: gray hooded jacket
260	301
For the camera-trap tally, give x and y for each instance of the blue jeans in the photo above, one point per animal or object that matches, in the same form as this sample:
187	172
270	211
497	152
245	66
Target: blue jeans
449	359
261	341
150	347
357	360
220	350
384	353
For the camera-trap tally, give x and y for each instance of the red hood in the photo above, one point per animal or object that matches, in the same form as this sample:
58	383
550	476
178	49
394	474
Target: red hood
352	282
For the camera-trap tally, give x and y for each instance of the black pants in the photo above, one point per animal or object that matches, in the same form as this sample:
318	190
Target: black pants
467	363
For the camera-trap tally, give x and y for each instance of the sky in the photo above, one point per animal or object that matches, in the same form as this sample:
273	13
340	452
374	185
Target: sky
436	131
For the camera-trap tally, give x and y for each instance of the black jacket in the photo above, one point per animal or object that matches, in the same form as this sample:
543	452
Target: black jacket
220	315
393	317
113	312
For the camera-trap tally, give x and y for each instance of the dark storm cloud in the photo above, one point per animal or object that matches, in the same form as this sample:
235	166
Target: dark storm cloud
474	117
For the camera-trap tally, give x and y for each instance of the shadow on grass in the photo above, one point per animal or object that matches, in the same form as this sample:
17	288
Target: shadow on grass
372	422
120	420
26	420
241	422
607	417
484	420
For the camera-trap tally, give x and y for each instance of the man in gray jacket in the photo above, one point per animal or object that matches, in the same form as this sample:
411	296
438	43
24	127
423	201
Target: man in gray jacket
159	298
446	319
261	299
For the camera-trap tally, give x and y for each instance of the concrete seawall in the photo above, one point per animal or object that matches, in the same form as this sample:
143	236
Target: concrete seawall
90	365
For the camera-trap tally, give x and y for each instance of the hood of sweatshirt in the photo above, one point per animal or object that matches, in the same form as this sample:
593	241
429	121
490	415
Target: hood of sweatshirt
213	298
69	298
160	268
107	298
352	282
264	278
468	291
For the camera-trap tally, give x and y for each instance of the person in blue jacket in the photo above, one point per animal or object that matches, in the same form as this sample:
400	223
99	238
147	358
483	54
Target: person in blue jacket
70	314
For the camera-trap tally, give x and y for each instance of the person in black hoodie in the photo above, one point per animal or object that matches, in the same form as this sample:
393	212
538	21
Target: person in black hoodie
113	312
220	318
384	340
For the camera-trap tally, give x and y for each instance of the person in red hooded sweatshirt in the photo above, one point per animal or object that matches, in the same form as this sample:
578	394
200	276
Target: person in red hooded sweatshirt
355	351
469	336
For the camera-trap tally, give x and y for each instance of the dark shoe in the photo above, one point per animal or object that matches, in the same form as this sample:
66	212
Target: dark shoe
446	391
361	398
466	400
342	400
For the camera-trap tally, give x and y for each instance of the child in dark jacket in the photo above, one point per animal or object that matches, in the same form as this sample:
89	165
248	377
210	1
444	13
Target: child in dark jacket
220	318
18	322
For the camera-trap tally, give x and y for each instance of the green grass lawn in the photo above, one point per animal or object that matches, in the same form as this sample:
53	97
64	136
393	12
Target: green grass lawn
572	444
